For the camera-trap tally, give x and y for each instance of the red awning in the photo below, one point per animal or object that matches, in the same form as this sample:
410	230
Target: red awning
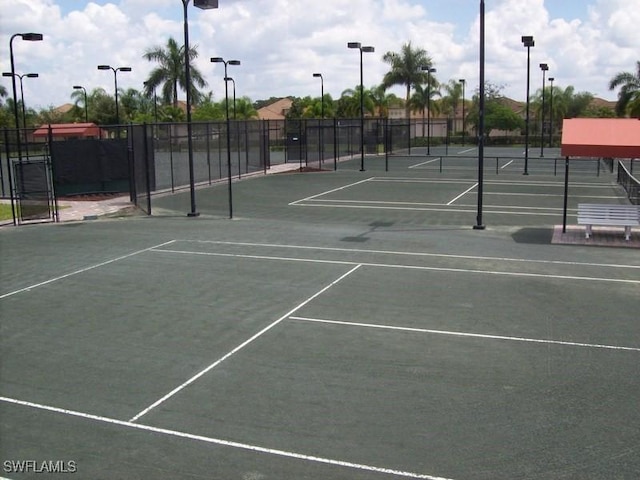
601	137
69	130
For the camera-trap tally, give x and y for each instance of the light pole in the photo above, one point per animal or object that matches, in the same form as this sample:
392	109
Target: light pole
528	42
319	75
30	37
24	111
230	79
481	114
463	82
27	75
367	49
86	108
226	96
204	5
551	79
429	71
115	81
544	67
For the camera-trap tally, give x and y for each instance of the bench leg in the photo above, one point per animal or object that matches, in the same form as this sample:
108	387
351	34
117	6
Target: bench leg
587	231
627	233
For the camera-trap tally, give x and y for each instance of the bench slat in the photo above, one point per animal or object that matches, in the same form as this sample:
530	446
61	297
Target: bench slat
626	216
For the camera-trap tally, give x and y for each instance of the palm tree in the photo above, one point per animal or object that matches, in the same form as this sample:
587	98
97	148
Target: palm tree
422	100
383	100
629	94
171	72
406	69
349	102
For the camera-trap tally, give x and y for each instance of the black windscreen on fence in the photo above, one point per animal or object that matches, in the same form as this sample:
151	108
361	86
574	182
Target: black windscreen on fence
90	166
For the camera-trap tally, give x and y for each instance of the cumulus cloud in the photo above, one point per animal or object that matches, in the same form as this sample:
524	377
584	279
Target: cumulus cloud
282	42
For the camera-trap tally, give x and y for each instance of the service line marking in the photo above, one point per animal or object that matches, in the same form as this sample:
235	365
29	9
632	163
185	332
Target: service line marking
239	347
465	334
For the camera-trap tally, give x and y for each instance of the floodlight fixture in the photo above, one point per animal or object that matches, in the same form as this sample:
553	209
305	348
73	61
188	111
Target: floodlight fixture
366	49
205	4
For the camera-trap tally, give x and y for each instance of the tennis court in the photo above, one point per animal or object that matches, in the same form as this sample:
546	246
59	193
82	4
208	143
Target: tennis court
343	325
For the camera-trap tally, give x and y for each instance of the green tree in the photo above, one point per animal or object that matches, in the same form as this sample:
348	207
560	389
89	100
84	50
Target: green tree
382	100
452	97
422	100
406	69
348	105
629	94
498	114
170	74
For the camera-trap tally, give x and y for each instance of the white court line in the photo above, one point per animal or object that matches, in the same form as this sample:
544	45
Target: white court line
467	150
238	348
409	254
506	164
466	334
218	441
82	270
329	191
463	193
424	163
407	267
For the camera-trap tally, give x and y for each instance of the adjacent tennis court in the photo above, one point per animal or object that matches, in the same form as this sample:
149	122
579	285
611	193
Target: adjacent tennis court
343	325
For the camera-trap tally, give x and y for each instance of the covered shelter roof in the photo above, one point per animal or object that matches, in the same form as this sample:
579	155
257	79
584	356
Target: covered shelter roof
74	130
601	137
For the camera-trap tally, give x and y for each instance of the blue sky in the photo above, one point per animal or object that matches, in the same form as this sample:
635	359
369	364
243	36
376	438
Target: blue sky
282	42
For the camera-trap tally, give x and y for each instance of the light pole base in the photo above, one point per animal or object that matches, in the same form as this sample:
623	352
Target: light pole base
193	214
479	227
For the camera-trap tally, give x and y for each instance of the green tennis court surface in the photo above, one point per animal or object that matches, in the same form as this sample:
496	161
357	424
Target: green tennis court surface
343	325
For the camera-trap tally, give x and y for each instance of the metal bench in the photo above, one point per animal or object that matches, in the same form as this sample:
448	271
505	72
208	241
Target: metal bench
626	216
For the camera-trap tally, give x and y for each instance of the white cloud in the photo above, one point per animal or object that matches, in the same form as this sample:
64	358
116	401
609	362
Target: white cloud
282	42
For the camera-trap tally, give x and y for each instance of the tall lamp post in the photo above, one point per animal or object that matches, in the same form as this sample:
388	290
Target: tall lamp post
366	49
24	75
551	79
30	37
226	96
203	5
86	108
464	121
528	42
24	111
319	75
115	81
481	114
544	67
429	71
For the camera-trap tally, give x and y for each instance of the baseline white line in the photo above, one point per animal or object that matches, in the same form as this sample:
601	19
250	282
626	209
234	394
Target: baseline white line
330	191
82	270
409	254
463	193
218	441
238	348
407	267
466	334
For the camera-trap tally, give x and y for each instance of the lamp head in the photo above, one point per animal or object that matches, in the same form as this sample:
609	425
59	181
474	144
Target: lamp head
217	59
124	69
368	49
229	79
32	75
7	74
78	87
544	67
31	37
551	79
234	62
462	80
104	67
205	4
317	75
354	45
527	41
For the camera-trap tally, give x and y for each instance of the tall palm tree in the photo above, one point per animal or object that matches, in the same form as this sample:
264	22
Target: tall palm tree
406	69
170	74
629	94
